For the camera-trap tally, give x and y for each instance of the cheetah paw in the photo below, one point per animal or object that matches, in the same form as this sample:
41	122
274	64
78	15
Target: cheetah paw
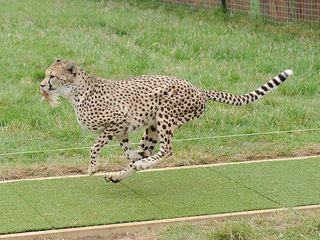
111	177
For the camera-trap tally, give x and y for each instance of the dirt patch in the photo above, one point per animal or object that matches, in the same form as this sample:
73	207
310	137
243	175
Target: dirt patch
142	235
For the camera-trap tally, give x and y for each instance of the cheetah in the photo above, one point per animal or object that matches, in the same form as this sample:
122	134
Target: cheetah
160	104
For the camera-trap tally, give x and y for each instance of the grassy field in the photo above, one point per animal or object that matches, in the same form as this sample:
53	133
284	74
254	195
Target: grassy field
118	39
290	225
86	201
285	226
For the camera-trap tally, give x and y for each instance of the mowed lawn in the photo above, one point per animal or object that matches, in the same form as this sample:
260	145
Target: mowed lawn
119	39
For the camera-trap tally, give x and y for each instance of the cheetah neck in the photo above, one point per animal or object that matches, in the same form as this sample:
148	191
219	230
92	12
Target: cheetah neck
81	88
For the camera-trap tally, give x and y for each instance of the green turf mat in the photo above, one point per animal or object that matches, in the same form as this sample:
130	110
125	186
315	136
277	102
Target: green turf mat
50	204
191	192
290	183
16	214
84	201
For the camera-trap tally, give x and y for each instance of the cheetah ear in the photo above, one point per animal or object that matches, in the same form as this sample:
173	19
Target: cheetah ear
57	60
71	67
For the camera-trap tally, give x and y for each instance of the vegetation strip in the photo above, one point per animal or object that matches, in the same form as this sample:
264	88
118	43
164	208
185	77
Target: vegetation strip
174	140
168	168
136	226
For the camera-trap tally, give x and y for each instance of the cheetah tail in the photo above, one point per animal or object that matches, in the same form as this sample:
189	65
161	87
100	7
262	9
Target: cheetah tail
252	96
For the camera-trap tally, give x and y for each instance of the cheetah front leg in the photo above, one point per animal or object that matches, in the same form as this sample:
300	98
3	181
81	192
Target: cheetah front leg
95	150
165	137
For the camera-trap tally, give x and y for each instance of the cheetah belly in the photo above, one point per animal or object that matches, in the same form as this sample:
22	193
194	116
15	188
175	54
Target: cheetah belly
89	125
87	121
136	123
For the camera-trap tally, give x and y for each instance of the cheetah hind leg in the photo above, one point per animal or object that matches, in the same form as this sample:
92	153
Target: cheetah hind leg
145	163
146	145
132	155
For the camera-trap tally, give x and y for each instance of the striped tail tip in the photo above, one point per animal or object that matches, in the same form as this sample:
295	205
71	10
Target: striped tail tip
288	72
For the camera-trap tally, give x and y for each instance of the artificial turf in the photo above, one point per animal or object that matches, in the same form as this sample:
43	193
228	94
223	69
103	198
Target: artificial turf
62	203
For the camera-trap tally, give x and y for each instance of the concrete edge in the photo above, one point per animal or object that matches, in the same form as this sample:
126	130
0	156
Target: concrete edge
104	230
166	169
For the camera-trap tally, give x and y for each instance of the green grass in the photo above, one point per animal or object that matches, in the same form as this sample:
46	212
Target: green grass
52	204
118	39
285	226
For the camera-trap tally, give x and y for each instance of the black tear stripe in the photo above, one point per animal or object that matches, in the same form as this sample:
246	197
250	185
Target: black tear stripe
50	86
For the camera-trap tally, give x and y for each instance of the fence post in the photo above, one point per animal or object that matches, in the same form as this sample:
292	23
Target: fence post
255	7
224	5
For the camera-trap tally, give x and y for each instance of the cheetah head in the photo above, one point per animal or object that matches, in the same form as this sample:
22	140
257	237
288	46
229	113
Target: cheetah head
58	81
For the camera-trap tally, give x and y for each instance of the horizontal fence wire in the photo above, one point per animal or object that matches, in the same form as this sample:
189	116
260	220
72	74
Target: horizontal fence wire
175	140
279	10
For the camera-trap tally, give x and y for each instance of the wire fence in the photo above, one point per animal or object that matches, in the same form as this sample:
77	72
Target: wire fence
279	10
175	140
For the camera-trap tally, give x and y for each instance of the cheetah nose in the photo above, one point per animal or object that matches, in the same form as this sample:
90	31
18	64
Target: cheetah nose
42	85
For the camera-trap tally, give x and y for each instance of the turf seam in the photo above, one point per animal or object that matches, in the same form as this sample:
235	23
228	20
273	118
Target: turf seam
33	208
141	196
245	186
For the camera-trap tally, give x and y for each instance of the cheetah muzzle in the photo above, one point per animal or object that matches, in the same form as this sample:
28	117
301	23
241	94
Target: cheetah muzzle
160	104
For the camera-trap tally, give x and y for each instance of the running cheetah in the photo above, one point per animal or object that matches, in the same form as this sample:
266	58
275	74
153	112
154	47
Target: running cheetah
161	104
